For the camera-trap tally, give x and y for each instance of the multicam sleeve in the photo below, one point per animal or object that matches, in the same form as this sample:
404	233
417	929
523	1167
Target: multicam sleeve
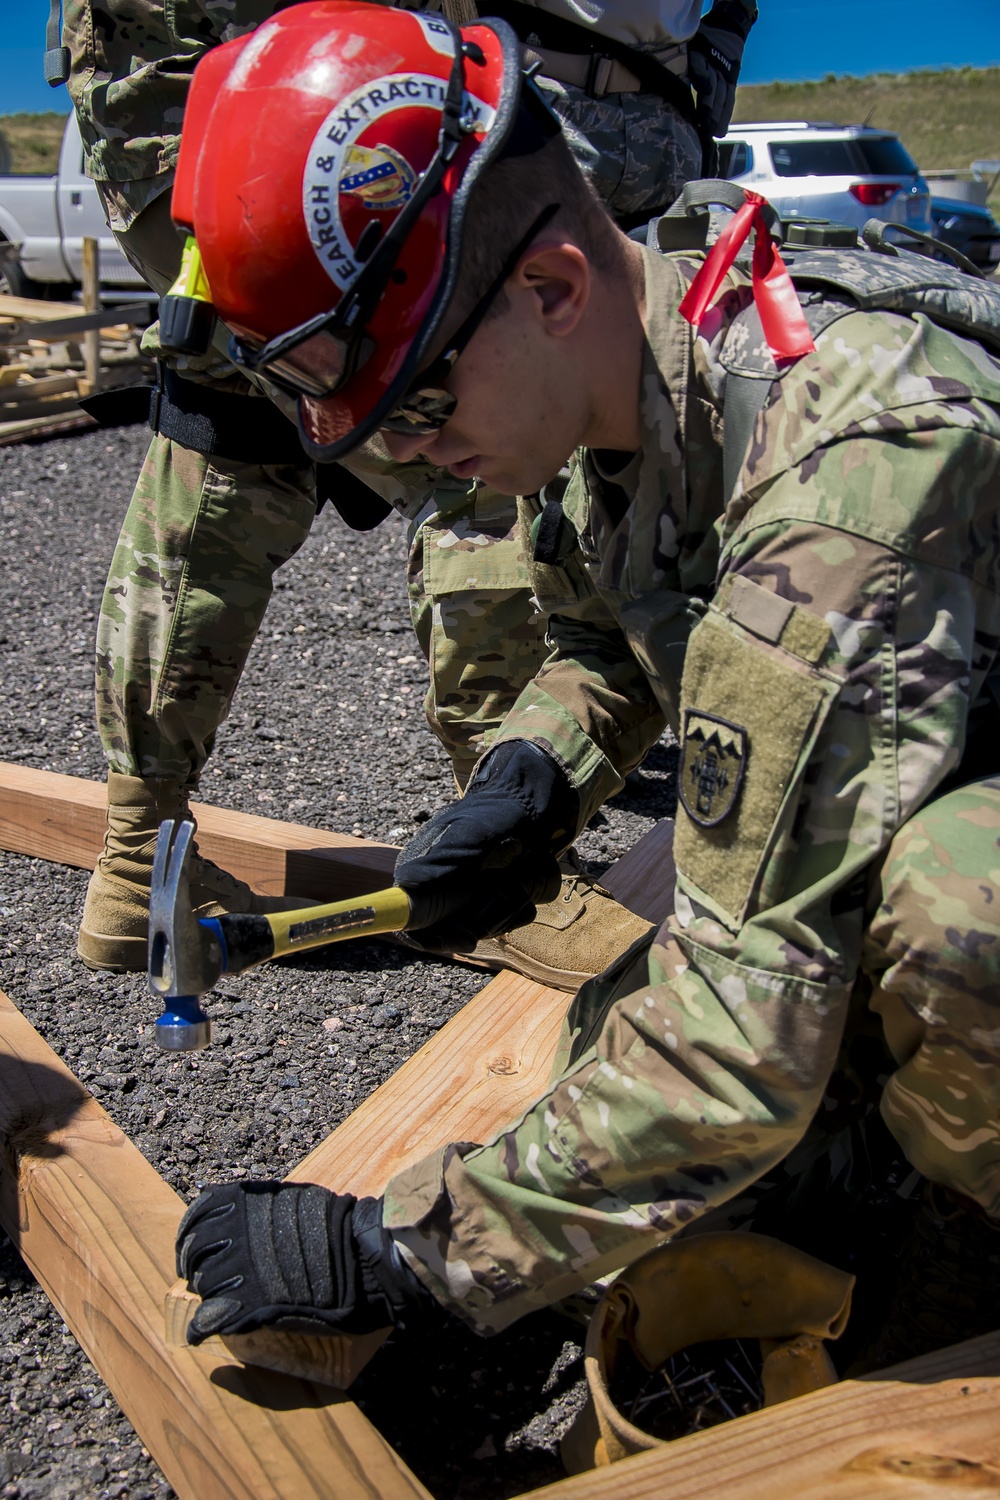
825	698
591	705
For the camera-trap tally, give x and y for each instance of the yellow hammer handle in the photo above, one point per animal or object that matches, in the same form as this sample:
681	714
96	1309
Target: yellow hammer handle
362	916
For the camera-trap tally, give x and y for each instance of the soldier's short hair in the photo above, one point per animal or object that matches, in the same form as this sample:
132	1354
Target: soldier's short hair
512	193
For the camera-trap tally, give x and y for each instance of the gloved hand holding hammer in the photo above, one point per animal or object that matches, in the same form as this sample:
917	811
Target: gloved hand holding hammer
486	860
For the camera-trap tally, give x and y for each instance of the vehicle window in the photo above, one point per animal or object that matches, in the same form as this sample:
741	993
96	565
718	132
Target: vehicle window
734	158
813	159
885	156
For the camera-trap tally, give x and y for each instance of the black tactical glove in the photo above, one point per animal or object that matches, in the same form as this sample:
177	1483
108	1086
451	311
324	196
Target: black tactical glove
294	1257
480	865
714	56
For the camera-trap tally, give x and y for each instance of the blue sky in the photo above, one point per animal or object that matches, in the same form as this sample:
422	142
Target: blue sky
793	39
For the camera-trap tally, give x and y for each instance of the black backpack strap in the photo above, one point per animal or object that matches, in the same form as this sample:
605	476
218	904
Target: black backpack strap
56	63
686	222
121	406
744	399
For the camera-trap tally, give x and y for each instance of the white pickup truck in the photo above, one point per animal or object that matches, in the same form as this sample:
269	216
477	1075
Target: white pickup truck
43	222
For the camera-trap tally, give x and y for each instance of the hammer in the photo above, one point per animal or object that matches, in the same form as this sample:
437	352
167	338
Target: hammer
188	954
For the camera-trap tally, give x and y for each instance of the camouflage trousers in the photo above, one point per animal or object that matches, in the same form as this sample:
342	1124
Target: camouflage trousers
502	1229
193	569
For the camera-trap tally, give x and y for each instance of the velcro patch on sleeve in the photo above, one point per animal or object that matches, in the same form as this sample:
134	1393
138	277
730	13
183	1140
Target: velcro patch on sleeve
750	716
774	619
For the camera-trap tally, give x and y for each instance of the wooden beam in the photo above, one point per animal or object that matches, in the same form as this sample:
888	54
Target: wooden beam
485	1067
927	1430
56	817
51	816
96	1224
46	426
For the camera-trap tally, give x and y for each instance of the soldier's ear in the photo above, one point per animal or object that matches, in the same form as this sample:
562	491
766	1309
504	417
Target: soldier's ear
557	278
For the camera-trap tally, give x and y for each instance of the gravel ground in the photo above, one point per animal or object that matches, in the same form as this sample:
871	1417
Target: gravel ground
326	730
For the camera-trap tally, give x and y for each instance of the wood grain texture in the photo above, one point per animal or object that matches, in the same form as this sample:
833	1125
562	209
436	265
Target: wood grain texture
477	1073
61	818
484	1068
908	1434
96	1224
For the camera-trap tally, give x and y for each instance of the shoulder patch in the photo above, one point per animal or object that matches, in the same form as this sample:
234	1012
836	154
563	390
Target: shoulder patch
713	760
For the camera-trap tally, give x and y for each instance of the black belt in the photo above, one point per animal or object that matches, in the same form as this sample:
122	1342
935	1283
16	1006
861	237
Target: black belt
243	429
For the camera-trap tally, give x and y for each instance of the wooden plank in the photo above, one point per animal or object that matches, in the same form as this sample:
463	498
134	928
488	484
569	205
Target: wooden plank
61	818
643	879
26	428
111	321
51	816
91	306
13	393
903	1433
96	1224
480	1071
49	409
36	308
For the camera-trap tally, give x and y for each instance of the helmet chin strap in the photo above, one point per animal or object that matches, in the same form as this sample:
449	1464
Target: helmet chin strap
360	301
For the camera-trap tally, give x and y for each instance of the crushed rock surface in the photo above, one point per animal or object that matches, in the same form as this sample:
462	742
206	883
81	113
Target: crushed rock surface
326	729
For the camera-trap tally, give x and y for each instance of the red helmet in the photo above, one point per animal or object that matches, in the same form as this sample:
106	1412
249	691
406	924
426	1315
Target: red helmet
325	166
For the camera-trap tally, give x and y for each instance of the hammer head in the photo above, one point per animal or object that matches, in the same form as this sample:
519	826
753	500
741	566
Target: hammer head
185	957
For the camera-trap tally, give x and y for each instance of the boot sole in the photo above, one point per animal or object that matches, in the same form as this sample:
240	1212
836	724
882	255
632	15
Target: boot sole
495	962
113	955
506	958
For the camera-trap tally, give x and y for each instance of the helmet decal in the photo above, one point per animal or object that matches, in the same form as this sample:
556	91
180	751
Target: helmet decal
379	175
326	168
437	34
351	158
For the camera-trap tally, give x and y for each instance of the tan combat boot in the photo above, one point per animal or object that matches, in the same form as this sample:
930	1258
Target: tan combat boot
114	930
572	938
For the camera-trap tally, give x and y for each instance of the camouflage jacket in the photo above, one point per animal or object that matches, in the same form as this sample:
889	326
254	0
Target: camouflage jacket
644	548
130	70
819	644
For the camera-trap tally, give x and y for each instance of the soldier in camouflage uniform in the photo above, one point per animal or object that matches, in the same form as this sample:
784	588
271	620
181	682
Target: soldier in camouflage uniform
823	641
193	570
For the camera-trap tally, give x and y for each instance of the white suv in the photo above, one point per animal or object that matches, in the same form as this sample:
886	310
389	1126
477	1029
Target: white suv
850	173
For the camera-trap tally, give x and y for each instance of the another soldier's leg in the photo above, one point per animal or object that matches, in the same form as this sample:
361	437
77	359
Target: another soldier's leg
484	639
190	580
188	587
933	946
470	603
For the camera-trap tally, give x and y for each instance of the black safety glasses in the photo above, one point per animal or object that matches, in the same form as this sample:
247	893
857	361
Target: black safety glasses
427	406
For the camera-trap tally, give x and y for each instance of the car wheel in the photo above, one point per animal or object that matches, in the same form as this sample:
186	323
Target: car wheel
13	281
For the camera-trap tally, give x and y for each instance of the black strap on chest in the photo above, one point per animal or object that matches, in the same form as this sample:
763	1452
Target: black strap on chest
744	399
